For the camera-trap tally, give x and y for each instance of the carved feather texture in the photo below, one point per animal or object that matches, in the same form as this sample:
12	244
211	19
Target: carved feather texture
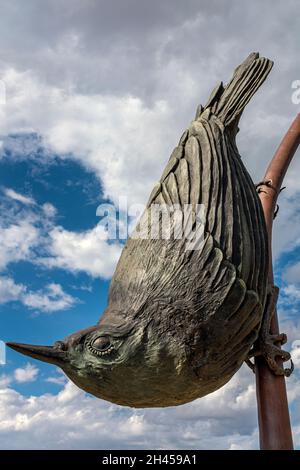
220	288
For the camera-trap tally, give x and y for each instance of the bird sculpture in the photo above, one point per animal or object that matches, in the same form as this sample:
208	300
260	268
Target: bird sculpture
183	316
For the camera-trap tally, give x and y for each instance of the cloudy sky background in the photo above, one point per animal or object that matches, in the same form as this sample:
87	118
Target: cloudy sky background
97	95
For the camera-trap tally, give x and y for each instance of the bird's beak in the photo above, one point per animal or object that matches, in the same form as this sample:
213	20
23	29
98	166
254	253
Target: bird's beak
50	354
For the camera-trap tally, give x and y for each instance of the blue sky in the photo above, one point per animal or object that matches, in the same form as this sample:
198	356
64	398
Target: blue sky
75	194
95	103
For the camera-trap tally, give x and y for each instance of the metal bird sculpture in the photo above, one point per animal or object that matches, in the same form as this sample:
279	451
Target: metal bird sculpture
180	322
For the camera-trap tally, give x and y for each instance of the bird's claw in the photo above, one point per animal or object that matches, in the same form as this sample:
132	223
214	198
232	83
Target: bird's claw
267	344
268	183
268	348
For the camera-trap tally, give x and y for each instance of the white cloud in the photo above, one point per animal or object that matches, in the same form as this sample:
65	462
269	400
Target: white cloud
121	139
295	353
86	251
49	299
9	290
31	234
52	298
121	124
286	229
49	209
59	379
5	380
27	374
292	273
18	197
17	240
292	293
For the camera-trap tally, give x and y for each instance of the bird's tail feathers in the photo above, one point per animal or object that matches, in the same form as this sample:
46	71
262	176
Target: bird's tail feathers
228	102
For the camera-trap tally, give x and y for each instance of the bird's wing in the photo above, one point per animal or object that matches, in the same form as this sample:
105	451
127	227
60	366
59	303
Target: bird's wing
205	168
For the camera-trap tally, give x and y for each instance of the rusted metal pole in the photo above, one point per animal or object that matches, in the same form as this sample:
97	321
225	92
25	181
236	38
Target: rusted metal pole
273	413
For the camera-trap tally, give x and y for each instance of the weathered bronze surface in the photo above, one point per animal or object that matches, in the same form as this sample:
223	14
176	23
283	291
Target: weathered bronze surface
180	322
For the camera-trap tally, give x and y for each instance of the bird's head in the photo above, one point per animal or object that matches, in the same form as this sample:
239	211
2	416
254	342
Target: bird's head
127	364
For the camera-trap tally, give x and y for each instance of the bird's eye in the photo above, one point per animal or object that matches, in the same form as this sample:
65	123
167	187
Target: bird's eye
101	346
102	343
